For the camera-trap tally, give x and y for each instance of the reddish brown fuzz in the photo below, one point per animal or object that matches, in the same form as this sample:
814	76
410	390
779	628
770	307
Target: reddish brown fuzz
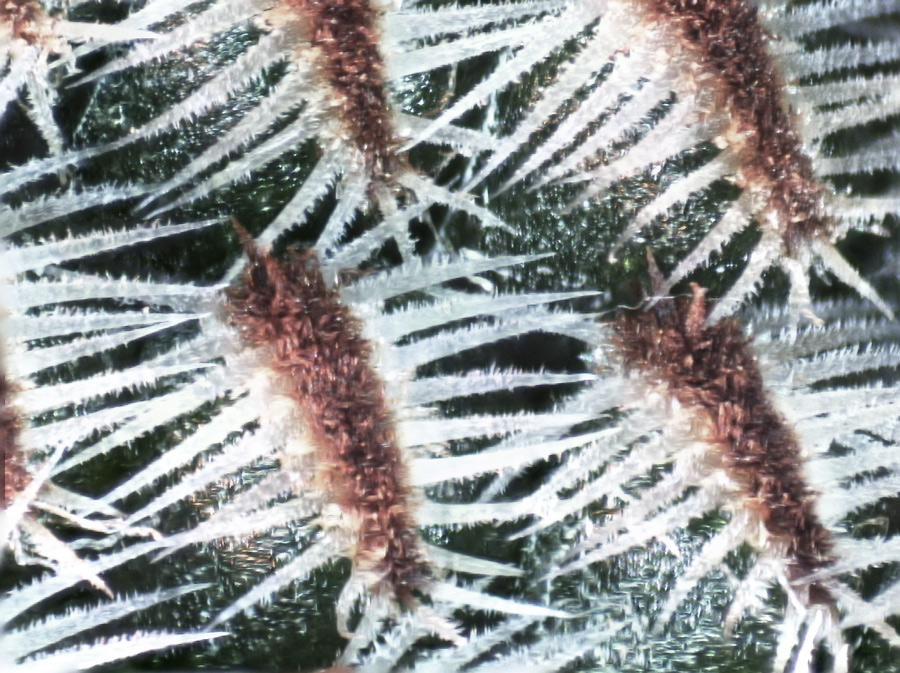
321	360
347	33
729	43
24	18
15	475
713	374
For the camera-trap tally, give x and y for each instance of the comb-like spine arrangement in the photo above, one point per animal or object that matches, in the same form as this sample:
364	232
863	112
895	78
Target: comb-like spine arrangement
765	433
333	92
727	88
54	418
322	379
303	400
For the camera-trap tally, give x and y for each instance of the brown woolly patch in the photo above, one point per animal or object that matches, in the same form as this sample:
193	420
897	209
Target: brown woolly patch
322	361
711	372
346	31
15	475
24	18
730	45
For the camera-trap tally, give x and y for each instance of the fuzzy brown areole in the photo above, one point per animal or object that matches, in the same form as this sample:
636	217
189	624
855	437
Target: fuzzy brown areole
711	371
15	474
347	33
726	38
25	19
321	360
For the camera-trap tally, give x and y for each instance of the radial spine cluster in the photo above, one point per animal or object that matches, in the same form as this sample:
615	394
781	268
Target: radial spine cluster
280	354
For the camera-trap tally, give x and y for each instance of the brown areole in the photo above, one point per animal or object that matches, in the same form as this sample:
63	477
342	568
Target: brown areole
728	42
323	363
15	474
25	19
712	373
347	33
